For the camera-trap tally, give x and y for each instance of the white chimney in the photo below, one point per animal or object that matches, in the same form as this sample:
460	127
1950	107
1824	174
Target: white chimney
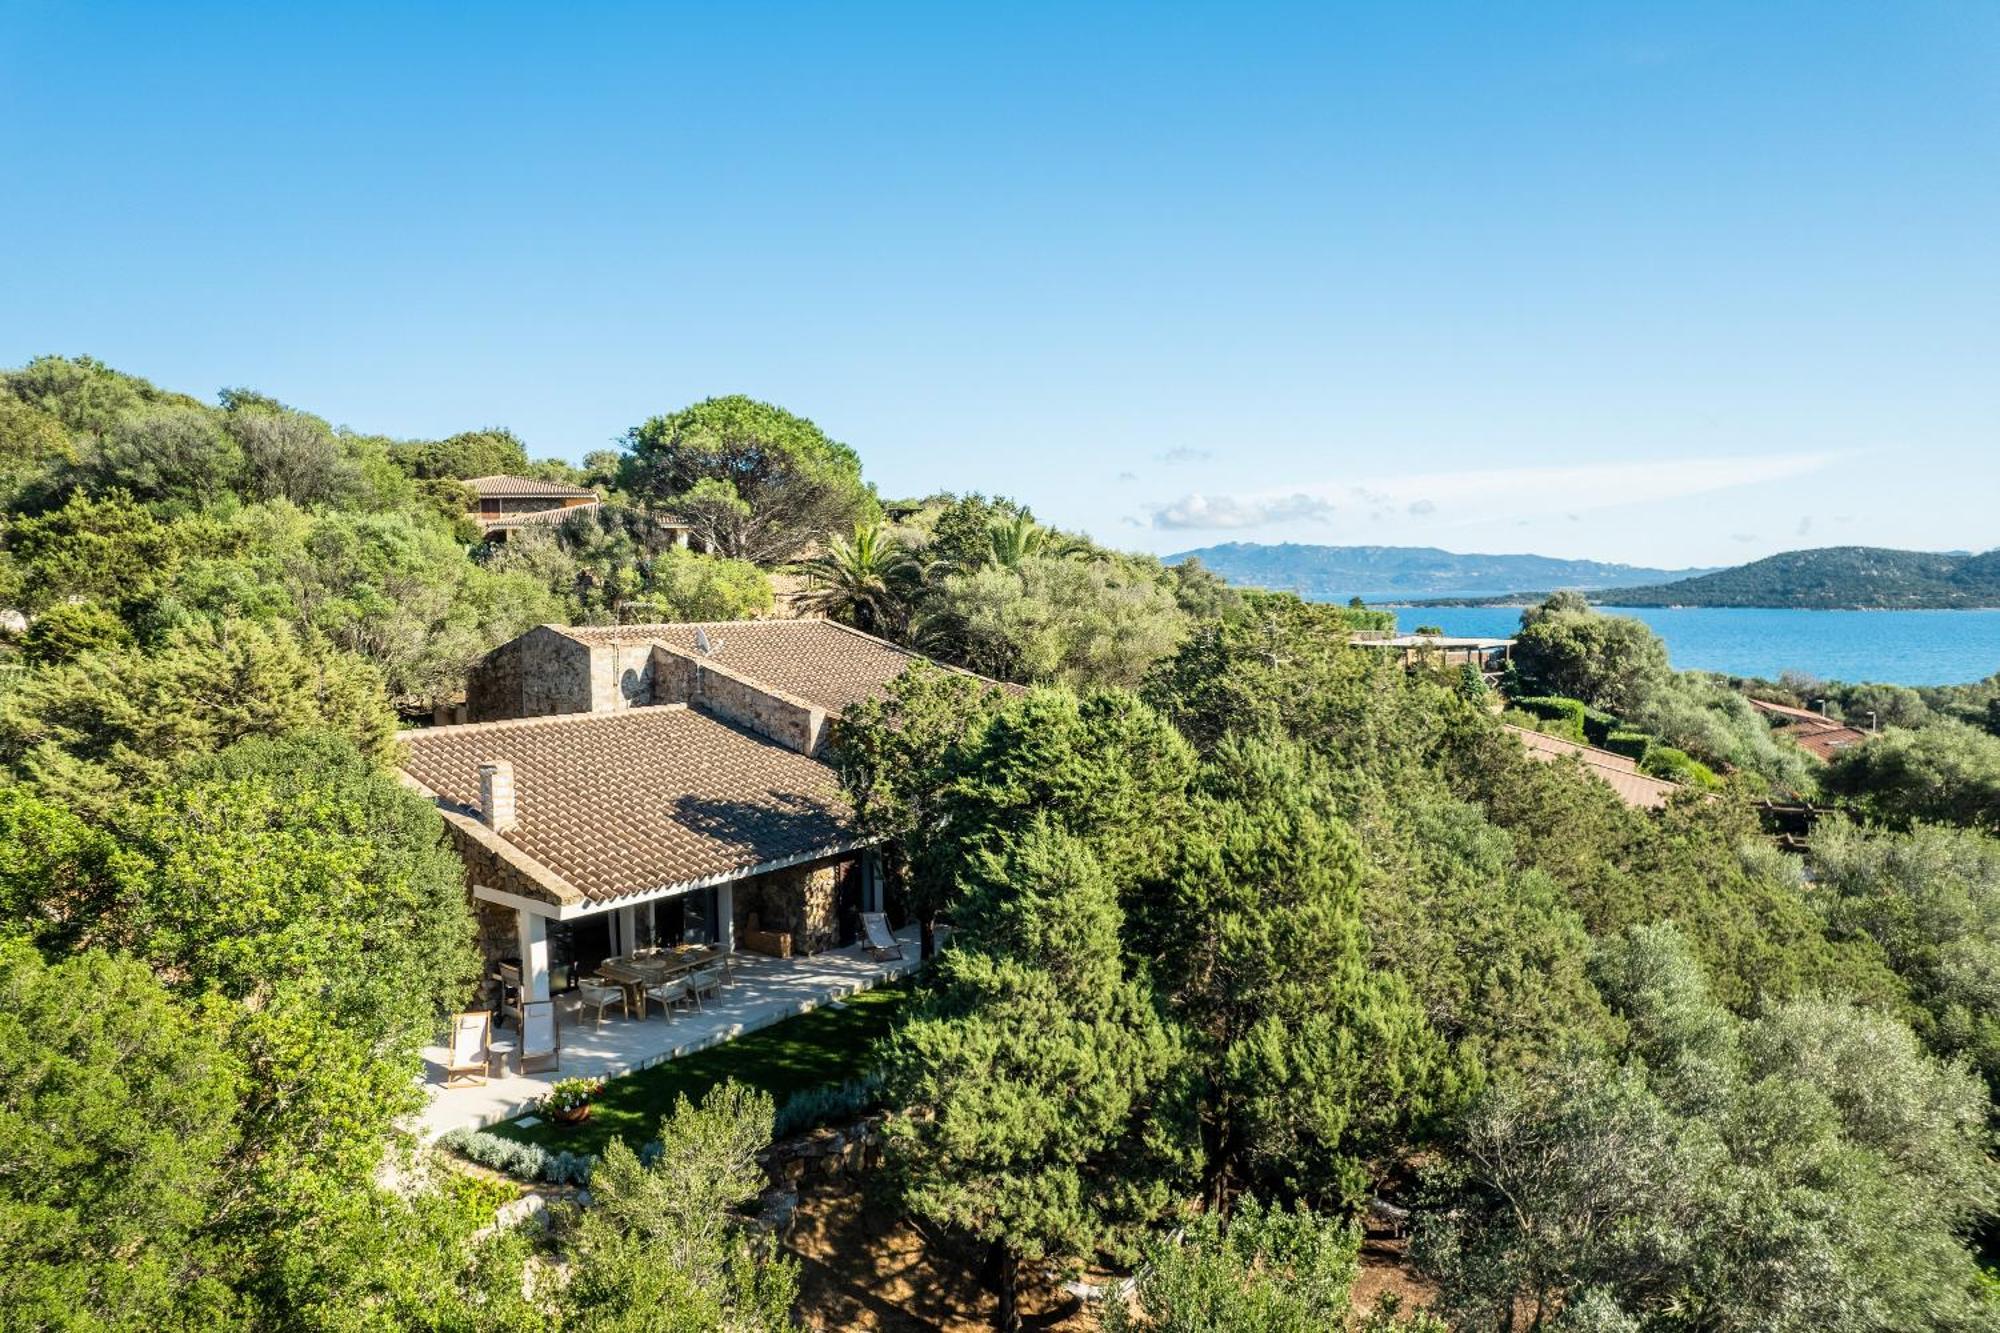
496	795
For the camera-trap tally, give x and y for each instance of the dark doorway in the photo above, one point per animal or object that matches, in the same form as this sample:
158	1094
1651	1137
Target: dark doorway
670	920
576	948
847	886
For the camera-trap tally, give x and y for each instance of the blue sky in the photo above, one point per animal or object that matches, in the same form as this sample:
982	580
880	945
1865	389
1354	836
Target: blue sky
1674	284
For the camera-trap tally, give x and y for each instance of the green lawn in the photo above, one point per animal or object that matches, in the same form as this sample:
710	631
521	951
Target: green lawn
825	1046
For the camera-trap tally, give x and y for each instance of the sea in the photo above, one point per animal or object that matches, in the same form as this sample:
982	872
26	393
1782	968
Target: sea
1888	647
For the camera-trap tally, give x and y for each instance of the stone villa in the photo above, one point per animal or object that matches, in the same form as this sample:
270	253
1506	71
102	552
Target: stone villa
620	786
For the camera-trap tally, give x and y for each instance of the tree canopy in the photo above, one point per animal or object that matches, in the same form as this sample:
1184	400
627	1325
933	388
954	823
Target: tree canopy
755	482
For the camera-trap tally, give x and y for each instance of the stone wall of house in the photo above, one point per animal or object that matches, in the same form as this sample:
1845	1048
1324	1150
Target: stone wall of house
803	900
684	678
536	675
498	931
621	675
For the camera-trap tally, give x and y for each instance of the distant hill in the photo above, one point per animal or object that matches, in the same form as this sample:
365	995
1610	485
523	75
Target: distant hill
1833	578
1387	573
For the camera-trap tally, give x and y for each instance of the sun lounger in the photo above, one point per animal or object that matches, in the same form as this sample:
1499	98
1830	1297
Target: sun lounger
466	1064
881	942
540	1042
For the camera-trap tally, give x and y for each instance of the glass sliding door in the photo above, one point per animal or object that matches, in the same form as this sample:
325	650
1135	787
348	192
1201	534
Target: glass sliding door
701	926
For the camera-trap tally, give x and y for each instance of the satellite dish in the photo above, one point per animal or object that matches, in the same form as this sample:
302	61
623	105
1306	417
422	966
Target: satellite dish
704	645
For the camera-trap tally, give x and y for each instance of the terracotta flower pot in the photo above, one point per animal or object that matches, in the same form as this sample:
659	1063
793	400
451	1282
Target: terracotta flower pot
574	1116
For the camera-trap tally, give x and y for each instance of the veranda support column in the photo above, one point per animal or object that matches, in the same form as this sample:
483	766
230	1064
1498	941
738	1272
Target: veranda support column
725	917
533	929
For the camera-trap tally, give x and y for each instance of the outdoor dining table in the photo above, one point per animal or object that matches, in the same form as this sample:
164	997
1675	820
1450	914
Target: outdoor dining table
635	974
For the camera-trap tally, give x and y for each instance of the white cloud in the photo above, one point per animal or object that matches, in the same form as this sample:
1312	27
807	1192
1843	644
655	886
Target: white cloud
1589	486
1487	495
1241	511
1186	454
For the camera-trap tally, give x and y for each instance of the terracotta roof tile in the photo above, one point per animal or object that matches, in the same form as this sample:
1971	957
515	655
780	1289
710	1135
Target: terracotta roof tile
511	488
627	802
1826	742
1617	771
815	660
536	517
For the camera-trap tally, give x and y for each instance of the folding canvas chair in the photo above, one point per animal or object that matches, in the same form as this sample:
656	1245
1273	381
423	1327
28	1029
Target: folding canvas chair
881	942
466	1064
540	1042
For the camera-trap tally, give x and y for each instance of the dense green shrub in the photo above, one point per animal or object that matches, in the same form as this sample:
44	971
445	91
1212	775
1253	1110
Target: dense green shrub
1569	715
835	1103
1671	765
1948	773
523	1161
1631	744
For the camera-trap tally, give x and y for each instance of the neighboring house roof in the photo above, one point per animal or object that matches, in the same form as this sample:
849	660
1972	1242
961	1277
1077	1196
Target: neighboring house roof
1787	711
511	488
1825	742
1621	774
545	518
1429	641
1817	734
821	662
615	804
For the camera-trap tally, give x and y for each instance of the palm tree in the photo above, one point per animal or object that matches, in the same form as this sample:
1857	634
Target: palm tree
1016	539
864	581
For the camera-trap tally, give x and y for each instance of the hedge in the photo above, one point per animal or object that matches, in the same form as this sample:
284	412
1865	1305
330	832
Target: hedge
1632	744
1664	761
1567	713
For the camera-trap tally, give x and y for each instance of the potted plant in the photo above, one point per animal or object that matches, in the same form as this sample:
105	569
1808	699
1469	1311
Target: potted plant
567	1101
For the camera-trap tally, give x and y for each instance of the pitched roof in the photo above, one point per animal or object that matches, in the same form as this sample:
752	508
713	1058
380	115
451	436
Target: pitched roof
1364	640
1789	712
614	804
1621	774
1817	734
538	517
818	661
1826	742
507	488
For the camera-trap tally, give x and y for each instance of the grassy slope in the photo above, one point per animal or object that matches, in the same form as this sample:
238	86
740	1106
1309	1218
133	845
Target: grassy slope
799	1054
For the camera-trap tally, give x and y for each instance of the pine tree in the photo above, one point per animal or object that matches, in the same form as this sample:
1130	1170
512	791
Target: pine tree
1033	1076
1309	1055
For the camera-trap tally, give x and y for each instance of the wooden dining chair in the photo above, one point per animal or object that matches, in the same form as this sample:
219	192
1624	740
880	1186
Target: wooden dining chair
601	995
669	994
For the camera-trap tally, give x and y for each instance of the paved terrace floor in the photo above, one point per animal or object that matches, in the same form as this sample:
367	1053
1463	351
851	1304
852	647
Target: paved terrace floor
765	991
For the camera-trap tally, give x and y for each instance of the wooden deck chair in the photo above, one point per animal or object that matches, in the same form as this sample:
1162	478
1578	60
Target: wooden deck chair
466	1063
881	942
540	1042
